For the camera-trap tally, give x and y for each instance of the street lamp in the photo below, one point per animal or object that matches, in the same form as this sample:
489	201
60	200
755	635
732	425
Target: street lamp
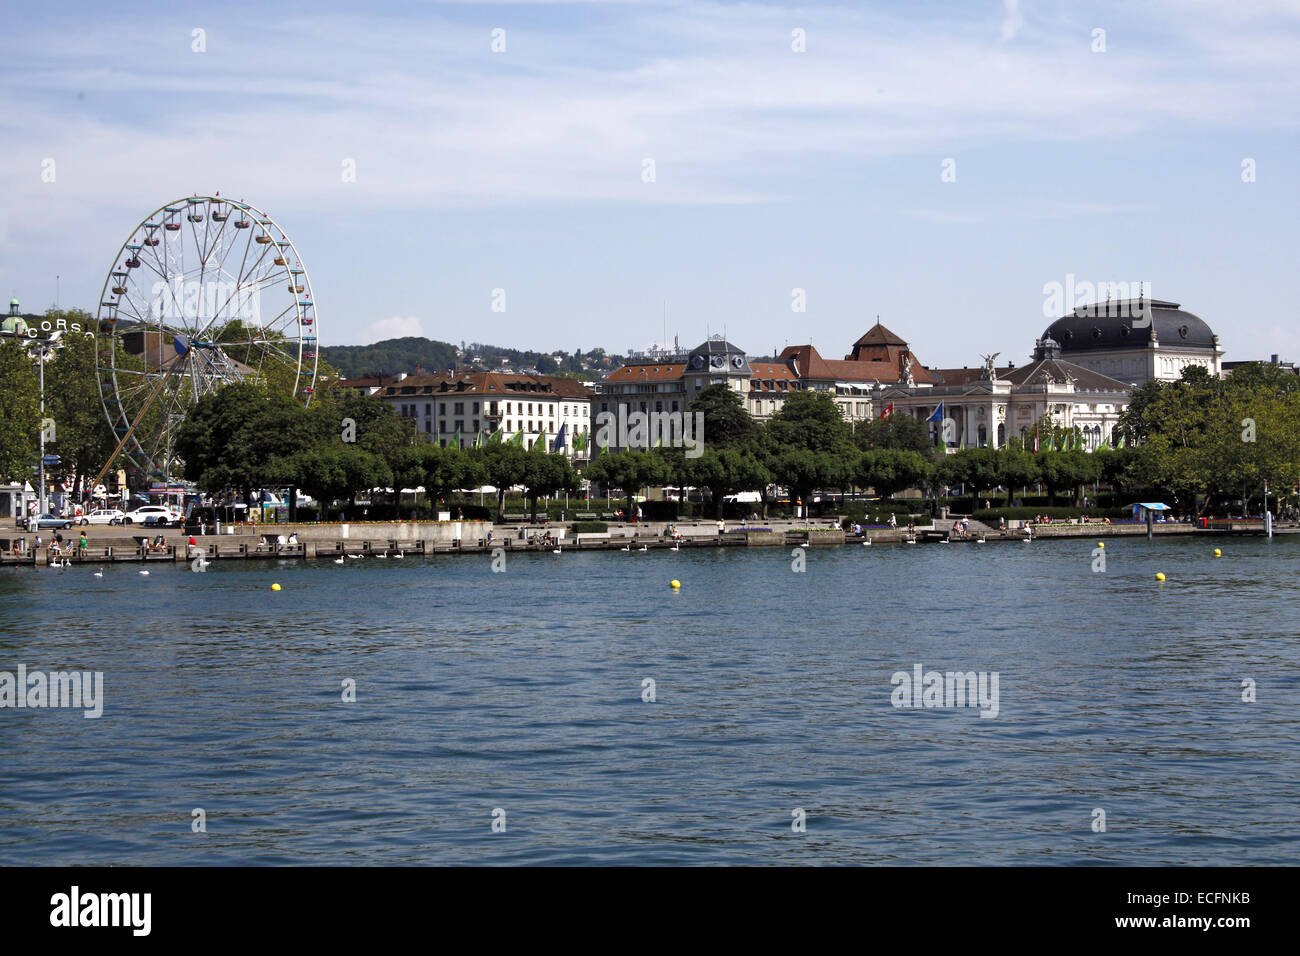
43	350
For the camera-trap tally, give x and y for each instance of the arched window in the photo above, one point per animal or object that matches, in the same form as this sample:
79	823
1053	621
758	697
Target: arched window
983	436
1002	434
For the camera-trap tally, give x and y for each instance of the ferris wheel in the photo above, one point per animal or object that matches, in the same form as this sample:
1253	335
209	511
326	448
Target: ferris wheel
205	291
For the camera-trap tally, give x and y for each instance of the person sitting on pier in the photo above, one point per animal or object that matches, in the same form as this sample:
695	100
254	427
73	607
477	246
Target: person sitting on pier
293	538
54	548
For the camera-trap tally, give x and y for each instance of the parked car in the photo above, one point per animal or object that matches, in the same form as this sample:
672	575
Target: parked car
102	516
144	512
36	522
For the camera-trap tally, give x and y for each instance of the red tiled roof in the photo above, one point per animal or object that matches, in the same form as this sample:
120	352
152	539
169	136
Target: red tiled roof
648	372
765	376
879	335
810	365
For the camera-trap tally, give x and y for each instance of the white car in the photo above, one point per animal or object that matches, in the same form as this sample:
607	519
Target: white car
102	516
139	515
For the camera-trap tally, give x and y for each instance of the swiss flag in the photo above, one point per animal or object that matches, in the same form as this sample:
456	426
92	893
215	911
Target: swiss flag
889	410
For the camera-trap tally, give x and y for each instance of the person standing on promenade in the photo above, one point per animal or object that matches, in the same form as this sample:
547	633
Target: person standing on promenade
893	520
82	543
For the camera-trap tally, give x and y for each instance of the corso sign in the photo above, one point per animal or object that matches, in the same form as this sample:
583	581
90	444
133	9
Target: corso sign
57	325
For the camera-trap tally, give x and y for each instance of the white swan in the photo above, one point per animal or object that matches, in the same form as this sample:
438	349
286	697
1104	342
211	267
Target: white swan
626	547
99	573
144	573
338	560
644	548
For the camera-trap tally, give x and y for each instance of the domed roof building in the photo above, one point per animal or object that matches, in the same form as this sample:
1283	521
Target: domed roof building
13	323
1136	340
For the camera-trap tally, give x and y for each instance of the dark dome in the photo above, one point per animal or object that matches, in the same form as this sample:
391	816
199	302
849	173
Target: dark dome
1091	328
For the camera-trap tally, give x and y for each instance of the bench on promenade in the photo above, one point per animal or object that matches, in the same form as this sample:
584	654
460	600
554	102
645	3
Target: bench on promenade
516	517
585	516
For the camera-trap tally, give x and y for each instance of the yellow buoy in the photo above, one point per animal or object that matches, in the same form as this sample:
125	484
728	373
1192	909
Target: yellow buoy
1218	553
1160	575
1101	544
275	587
674	584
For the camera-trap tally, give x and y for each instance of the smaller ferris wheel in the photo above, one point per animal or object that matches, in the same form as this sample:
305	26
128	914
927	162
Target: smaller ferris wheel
205	291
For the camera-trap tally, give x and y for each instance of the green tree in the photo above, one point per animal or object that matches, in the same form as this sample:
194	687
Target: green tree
505	464
546	473
888	471
726	422
629	470
803	470
725	472
898	431
810	420
83	439
20	420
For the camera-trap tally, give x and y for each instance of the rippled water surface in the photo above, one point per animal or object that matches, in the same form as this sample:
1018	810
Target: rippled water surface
523	691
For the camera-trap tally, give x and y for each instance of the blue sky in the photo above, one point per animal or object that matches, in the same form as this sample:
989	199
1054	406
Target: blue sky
774	169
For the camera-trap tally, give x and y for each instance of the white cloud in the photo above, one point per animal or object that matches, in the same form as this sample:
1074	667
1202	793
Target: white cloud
1012	21
395	328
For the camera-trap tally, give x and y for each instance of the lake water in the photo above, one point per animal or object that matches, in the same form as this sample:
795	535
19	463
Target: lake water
523	691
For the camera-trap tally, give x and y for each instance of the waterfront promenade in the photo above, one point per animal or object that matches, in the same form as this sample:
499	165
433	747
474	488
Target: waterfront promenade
398	539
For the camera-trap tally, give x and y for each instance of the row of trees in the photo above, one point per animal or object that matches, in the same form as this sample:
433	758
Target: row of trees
808	446
243	438
1197	440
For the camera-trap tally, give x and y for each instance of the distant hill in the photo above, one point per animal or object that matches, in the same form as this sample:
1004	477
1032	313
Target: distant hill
390	357
407	354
